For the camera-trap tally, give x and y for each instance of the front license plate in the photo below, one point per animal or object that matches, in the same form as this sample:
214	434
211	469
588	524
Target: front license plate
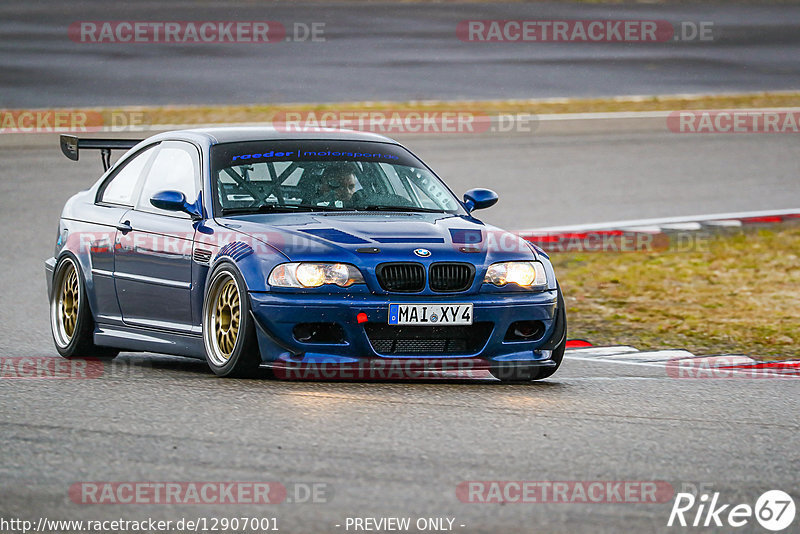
430	314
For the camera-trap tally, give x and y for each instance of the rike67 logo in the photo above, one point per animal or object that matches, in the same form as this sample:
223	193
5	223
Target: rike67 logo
774	510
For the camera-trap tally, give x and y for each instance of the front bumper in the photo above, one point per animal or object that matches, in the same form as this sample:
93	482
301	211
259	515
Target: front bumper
49	269
276	315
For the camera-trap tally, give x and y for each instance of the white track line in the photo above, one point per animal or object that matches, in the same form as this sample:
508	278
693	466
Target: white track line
746	372
615	349
611	378
657	223
604	360
651	356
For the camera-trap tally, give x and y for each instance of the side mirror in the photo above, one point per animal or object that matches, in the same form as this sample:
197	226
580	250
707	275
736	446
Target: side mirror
478	199
176	201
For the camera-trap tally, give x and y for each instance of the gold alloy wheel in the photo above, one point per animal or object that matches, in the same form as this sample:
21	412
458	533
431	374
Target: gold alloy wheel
222	315
66	304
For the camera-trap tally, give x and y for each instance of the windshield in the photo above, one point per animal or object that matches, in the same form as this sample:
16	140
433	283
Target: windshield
284	176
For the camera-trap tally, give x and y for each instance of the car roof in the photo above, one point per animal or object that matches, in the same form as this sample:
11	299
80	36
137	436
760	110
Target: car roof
264	133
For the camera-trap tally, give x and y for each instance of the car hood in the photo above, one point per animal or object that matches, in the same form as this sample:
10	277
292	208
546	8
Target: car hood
378	237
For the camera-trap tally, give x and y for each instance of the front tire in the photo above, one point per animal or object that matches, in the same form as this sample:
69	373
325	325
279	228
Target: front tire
71	320
558	352
509	372
229	334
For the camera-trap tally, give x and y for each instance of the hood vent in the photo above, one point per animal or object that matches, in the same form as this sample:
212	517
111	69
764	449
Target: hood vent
410	239
337	236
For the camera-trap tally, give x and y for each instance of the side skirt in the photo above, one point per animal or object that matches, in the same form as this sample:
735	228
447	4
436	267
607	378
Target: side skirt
132	339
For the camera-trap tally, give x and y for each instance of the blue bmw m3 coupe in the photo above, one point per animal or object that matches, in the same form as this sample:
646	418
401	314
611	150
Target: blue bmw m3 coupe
257	249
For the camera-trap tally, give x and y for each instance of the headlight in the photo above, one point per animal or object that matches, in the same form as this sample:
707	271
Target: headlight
529	274
303	275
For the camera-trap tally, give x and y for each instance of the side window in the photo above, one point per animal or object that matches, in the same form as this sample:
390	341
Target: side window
176	167
122	186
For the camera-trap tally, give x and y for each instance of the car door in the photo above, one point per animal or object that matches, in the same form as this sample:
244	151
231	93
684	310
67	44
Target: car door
153	258
115	198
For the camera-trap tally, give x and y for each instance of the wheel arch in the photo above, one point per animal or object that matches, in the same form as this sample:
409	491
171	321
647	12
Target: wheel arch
84	266
80	239
253	266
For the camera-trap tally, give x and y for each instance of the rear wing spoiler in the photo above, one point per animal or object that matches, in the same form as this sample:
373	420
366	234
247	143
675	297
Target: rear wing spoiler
71	145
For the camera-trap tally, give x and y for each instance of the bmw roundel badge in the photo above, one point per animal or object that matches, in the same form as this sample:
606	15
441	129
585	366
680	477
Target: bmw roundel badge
422	252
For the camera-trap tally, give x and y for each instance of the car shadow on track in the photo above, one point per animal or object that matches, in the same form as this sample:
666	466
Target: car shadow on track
152	365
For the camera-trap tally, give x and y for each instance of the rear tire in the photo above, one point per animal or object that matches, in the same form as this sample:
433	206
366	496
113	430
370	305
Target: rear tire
509	372
229	332
71	320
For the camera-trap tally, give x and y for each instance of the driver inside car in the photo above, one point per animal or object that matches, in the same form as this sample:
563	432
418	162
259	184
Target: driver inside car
340	184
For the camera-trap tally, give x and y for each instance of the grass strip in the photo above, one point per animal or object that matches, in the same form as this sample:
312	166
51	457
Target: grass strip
732	292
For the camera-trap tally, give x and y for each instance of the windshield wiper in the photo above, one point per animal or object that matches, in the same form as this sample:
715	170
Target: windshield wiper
255	209
277	208
400	208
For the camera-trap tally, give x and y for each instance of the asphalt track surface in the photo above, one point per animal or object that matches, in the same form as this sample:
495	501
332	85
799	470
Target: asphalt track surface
400	448
385	52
